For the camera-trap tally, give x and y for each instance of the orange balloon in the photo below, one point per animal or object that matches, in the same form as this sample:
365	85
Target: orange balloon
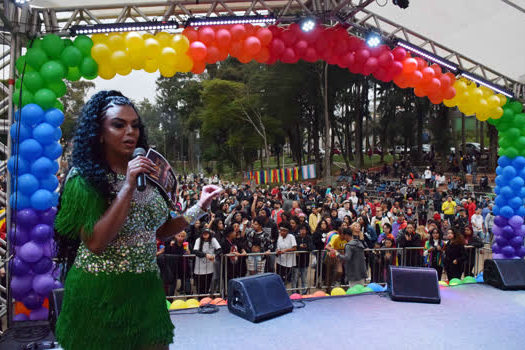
415	78
216	301
263	56
236	49
222	302
421	63
198	51
198	67
409	65
223	38
252	45
265	36
205	301
419	91
46	303
245	58
21	309
238	32
223	54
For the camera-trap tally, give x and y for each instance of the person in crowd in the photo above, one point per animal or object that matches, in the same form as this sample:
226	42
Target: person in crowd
387	231
449	209
294	225
334	269
472	244
461	220
454	254
232	254
388	257
286	245
277	212
379	220
255	262
206	248
314	218
489	224
304	247
399	224
408	238
470	206
354	255
478	226
434	249
175	252
345	210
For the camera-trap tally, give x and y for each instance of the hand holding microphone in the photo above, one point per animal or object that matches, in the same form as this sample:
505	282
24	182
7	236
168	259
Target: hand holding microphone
138	167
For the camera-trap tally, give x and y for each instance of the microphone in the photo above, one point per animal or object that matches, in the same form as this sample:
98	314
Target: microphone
141	178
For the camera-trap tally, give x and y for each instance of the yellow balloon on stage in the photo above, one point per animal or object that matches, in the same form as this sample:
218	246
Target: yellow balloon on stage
99	38
502	100
178	304
106	71
167	70
192	303
100	52
450	103
124	70
168	56
134	41
137	58
151	65
493	101
497	113
120	60
152	48
460	86
163	38
337	291
116	42
180	43
184	63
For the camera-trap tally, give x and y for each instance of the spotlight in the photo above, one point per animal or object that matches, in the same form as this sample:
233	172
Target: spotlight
307	24
21	2
373	40
215	21
123	27
401	3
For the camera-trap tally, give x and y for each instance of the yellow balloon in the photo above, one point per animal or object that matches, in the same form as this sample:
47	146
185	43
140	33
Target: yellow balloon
120	60
497	113
486	91
105	71
124	70
463	97
493	101
502	100
482	106
99	38
100	52
180	43
178	304
152	48
482	116
163	38
460	86
450	103
147	36
134	41
167	70
476	93
116	42
151	66
337	291
184	63
168	56
137	59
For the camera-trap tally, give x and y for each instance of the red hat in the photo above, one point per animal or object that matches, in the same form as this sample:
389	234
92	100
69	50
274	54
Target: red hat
437	217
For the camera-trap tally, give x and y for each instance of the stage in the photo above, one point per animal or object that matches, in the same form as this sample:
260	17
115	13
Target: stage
473	316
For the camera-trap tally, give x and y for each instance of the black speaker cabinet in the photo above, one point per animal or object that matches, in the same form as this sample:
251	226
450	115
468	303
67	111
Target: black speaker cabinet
258	297
506	274
419	284
55	305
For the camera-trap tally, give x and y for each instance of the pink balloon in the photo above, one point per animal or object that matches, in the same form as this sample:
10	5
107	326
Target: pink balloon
362	55
277	47
386	59
399	53
300	47
370	65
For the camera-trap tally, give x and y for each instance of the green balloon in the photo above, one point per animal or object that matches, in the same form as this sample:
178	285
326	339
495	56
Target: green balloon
33	81
510	152
508	113
53	71
503	142
36	57
91	77
27	97
520	142
71	56
19	64
516	107
519	119
45	98
88	67
84	44
36	43
59	105
68	42
18	83
59	88
73	74
53	45
512	133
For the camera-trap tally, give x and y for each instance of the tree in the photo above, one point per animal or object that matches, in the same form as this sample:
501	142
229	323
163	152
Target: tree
73	101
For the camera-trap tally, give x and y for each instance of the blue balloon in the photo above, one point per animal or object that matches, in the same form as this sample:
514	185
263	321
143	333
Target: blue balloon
53	151
500	180
18	165
499	170
16	116
27	184
19	132
49	183
495	210
42	167
507	192
54	117
54	202
516	202
19	267
31	149
44	133
522	174
32	114
522	192
55	167
519	162
503	161
500	201
58	134
509	172
505	211
521	211
42	200
517	184
497	190
19	201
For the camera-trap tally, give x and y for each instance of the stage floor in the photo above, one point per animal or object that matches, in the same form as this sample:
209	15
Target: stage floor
471	316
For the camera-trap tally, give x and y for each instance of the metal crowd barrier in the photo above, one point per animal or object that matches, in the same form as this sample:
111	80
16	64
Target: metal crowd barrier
188	276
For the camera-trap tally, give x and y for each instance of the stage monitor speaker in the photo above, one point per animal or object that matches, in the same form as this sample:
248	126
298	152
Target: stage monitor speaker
506	274
55	305
418	284
258	297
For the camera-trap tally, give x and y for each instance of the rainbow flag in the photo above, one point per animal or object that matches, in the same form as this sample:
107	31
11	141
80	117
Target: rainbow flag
296	174
281	176
257	178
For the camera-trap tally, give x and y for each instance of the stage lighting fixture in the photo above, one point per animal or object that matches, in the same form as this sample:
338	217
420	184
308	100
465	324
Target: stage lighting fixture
21	2
428	55
373	40
226	20
401	3
307	24
486	83
123	27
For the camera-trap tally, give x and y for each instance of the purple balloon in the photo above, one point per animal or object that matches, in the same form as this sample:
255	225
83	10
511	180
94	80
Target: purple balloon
49	249
48	216
501	241
19	267
26	217
500	221
516	242
43	265
508	232
31	252
19	235
32	300
496	248
39	314
21	285
41	233
508	251
520	231
20	318
521	252
497	230
55	272
58	285
498	256
516	221
43	284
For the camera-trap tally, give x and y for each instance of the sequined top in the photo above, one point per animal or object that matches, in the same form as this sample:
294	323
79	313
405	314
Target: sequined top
134	248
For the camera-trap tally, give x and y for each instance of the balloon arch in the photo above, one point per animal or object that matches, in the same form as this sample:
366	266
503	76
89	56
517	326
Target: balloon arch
50	60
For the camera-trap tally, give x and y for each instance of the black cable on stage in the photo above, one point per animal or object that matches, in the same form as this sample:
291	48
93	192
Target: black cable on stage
298	304
205	309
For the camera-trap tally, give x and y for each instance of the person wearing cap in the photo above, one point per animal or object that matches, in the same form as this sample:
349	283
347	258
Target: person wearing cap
427	175
354	255
285	245
345	210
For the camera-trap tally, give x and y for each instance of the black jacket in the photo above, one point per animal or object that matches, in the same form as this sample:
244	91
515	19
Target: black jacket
303	259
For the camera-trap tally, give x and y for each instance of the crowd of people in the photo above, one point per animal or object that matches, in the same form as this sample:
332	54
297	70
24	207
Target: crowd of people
334	234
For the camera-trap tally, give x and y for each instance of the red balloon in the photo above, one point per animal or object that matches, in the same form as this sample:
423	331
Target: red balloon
198	51
362	55
191	34
348	59
244	58
386	59
321	45
452	77
449	93
341	48
252	45
289	37
399	53
419	91
370	65
354	43
265	36
415	78
277	47
445	81
433	85
312	36
421	63
236	49
206	35
263	56
272	60
381	73
289	56
276	31
250	29
400	81
238	32
409	65
300	47
435	99
310	55
437	69
223	54
395	68
198	67
213	54
223	38
428	74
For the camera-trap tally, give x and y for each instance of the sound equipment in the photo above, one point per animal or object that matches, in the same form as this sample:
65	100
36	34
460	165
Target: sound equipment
419	284
55	305
506	274
258	297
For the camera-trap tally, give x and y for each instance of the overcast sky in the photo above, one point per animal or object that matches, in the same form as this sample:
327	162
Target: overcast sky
488	31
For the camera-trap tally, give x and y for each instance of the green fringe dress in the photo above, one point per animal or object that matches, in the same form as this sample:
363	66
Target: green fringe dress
114	300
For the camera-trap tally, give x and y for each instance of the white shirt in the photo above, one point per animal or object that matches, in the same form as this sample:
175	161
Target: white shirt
477	222
428	174
342	212
286	259
202	265
354	200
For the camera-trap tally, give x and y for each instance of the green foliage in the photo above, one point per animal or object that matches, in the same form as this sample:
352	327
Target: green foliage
73	102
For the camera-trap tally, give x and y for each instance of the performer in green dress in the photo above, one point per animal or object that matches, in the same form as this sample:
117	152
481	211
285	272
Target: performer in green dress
106	235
